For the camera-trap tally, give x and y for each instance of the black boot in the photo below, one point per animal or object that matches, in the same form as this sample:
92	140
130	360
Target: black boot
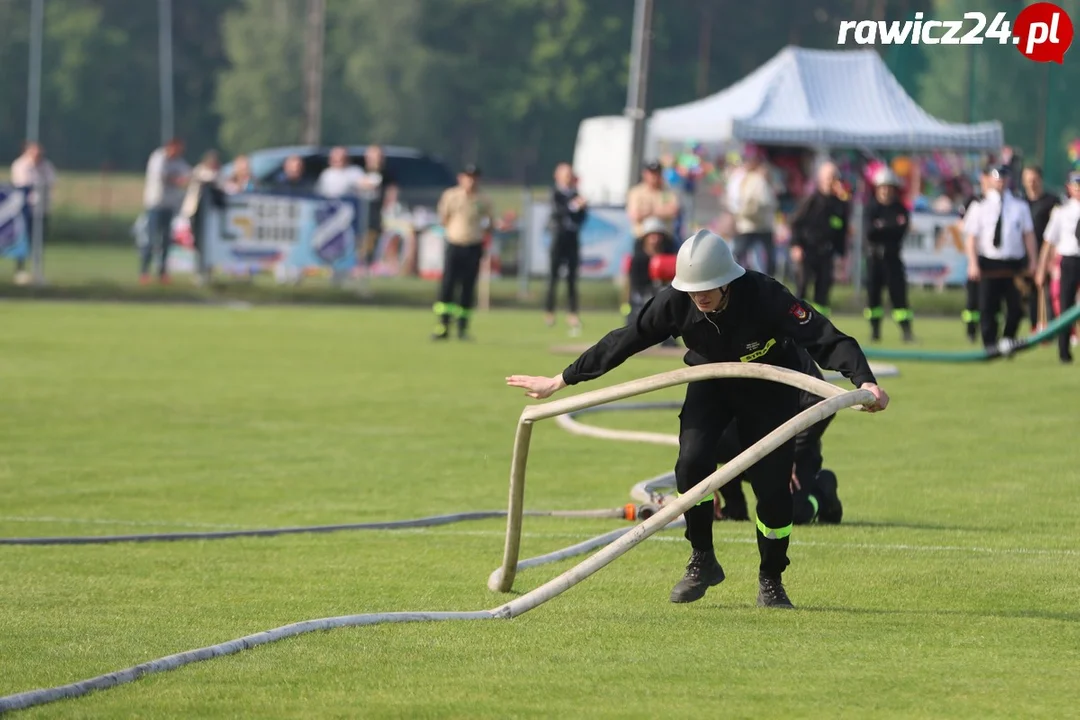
830	510
771	593
972	332
875	330
905	328
442	330
702	572
463	329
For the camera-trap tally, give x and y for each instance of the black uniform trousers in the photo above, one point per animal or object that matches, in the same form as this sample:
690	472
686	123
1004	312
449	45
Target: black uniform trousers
885	268
997	283
1070	284
817	267
971	307
457	294
565	251
808	463
759	407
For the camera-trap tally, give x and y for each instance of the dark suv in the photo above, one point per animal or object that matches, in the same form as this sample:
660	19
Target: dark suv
420	178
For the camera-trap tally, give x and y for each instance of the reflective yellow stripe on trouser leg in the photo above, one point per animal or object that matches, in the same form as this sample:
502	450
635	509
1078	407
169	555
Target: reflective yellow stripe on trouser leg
773	533
901	314
874	313
706	501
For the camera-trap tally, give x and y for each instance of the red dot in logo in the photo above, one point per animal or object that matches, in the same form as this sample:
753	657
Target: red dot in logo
1043	32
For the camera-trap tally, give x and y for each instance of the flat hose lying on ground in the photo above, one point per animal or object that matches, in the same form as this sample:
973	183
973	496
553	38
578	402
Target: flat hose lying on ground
664	517
1004	349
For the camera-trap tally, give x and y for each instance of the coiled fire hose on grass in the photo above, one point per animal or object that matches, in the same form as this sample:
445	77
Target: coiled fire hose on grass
618	541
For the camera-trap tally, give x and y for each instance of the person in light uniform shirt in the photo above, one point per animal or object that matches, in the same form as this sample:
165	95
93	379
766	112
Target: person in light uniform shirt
1000	248
1061	240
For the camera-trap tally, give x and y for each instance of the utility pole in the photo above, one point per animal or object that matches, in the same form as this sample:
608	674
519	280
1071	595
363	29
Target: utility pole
33	134
638	84
165	69
314	43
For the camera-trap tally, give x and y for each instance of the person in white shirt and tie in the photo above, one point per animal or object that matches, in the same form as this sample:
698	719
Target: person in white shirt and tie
1000	248
1061	239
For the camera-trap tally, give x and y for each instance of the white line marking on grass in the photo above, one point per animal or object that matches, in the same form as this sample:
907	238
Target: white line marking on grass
99	521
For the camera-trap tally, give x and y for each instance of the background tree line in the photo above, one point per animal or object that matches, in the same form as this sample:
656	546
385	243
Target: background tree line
501	82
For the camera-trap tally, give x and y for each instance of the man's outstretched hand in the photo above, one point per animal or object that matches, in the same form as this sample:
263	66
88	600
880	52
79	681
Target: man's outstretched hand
880	396
537	386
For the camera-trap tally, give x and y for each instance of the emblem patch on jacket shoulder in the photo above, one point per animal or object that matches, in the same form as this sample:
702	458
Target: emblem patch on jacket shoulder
800	313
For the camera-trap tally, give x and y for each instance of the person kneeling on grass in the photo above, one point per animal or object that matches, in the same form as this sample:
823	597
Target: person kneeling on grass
813	488
725	313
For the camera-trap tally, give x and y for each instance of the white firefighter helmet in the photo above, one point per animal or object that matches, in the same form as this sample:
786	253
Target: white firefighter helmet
705	263
885	176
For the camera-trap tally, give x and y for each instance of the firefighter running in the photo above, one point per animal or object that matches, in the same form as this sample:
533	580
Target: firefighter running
887	223
725	313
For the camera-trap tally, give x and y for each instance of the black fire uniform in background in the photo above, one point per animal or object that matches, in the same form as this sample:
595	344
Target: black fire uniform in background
565	227
970	315
642	287
886	226
816	498
819	227
467	217
761	322
999	223
1040	207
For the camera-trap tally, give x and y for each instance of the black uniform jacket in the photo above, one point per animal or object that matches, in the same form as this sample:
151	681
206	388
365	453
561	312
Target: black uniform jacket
564	220
820	224
887	224
1040	213
763	322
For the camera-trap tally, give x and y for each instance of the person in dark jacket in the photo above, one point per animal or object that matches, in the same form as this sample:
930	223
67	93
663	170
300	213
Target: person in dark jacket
813	488
568	212
819	230
725	313
655	242
887	222
1042	204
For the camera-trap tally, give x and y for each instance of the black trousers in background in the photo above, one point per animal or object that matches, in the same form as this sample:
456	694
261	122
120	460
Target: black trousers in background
808	463
457	293
565	251
885	268
1070	283
759	407
817	267
997	283
971	307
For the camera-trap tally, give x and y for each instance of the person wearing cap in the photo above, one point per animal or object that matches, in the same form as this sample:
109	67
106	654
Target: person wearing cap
1042	204
819	230
568	212
887	222
725	313
466	216
968	208
650	198
1000	247
1062	232
813	488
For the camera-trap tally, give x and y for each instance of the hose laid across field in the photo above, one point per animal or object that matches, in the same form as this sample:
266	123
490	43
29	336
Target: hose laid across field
620	541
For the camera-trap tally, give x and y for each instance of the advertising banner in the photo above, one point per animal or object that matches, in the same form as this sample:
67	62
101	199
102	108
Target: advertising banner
14	242
933	251
285	235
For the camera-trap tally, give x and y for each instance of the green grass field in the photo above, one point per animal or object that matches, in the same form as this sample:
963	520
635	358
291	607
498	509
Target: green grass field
948	592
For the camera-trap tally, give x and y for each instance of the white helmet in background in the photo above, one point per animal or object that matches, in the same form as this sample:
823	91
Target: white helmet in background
705	263
885	176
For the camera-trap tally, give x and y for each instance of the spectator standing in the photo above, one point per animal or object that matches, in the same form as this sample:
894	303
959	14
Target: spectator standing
466	215
650	198
340	179
166	183
1041	204
379	187
202	195
241	179
33	170
755	213
290	181
567	216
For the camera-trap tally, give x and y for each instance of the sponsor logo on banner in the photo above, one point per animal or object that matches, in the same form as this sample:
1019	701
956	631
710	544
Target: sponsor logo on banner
933	251
333	230
12	221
